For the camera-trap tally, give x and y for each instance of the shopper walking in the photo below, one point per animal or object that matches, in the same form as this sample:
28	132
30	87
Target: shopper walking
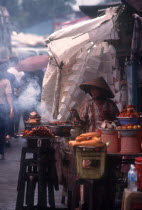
5	98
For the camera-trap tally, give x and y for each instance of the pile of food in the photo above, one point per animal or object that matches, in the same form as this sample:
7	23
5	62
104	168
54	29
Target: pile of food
38	131
57	122
128	126
88	139
129	111
73	123
108	125
34	118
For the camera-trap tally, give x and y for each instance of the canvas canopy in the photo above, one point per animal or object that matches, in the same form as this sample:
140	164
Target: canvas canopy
65	43
80	49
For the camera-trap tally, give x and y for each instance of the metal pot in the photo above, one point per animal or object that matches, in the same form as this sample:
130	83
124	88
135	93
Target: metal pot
61	130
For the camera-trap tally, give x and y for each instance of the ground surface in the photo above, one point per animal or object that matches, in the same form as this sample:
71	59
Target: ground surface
9	169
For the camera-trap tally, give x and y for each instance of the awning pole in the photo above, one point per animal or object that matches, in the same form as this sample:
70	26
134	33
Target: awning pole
135	83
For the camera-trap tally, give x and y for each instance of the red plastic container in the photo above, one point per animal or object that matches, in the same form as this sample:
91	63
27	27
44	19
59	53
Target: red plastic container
138	164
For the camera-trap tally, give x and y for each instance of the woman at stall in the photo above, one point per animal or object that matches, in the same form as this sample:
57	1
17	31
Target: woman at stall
99	108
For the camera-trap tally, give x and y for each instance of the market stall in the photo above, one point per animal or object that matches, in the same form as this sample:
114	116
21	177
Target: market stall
90	156
99	153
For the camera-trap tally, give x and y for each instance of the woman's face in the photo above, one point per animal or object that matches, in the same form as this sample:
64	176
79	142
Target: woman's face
96	93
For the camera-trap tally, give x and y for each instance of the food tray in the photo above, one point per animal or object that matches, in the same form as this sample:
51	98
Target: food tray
128	132
57	129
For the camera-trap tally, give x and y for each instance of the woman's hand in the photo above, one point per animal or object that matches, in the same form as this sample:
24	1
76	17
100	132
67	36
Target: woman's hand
73	110
75	114
11	113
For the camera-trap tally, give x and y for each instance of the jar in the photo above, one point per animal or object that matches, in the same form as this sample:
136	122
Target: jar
138	164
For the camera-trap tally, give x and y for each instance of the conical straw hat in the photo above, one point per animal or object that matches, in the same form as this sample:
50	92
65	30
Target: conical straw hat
99	83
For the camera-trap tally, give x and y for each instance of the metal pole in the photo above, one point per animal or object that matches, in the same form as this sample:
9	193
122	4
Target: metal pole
135	83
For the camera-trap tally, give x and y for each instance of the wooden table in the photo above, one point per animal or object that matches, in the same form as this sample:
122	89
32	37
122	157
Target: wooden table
131	199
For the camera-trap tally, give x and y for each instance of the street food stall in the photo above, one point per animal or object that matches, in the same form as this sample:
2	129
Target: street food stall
97	160
101	155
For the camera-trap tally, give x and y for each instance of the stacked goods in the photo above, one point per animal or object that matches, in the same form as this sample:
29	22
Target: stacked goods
34	118
129	111
128	126
88	139
38	131
129	115
129	119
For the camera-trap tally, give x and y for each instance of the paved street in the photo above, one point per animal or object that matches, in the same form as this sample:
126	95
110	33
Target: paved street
9	169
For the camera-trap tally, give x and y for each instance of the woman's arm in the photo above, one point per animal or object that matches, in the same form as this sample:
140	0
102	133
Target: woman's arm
9	100
8	92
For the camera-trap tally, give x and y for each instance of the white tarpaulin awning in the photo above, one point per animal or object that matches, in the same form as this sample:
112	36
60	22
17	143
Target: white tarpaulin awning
66	42
83	27
75	47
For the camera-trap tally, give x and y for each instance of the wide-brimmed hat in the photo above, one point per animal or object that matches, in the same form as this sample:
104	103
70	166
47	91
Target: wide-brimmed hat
99	83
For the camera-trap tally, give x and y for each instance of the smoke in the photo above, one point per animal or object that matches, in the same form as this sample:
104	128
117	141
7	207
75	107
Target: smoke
46	112
30	96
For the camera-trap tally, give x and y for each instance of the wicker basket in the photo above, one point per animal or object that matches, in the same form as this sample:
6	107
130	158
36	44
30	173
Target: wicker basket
95	155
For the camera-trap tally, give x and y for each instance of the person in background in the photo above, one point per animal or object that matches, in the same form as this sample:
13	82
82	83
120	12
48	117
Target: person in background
15	78
14	86
5	98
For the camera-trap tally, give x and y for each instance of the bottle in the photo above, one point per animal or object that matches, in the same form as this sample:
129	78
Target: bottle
132	178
